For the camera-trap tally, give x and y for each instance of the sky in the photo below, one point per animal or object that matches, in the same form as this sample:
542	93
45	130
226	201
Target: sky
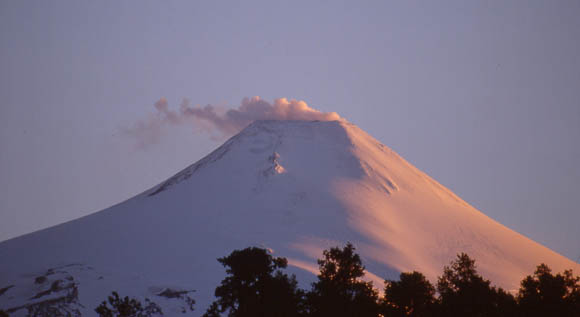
482	96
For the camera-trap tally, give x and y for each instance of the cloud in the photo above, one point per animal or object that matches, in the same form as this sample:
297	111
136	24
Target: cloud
219	122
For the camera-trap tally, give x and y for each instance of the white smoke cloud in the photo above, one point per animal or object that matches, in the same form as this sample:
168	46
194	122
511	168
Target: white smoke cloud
221	123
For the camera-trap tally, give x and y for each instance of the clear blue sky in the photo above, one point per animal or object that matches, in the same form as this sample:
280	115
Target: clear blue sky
483	96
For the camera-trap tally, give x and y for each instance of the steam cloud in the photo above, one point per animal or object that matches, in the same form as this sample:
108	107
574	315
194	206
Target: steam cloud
219	122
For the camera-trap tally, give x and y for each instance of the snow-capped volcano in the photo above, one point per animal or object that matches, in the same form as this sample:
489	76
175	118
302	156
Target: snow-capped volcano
295	187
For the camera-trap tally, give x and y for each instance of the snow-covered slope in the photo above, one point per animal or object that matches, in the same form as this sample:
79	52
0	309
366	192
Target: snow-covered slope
295	187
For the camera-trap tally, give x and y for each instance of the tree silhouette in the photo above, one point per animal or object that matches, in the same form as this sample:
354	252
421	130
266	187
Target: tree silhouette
126	307
544	294
256	287
463	292
339	290
412	295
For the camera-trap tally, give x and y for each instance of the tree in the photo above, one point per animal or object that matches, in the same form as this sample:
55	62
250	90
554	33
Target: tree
339	290
412	295
126	307
256	287
544	294
463	292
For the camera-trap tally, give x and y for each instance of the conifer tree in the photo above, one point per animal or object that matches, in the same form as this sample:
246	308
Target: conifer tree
412	295
543	293
463	292
339	290
256	287
116	306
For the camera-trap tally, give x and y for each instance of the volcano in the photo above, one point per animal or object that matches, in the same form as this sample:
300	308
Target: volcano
293	187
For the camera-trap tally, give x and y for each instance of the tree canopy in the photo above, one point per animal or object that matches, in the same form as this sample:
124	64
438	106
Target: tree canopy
544	293
339	290
463	292
255	286
116	306
411	295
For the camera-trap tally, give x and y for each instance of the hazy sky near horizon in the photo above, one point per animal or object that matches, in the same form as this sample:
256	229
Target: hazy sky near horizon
482	96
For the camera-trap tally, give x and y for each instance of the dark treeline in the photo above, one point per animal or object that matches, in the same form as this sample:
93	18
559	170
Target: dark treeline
256	286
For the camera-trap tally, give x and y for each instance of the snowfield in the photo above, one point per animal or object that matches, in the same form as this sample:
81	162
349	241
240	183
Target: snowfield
295	187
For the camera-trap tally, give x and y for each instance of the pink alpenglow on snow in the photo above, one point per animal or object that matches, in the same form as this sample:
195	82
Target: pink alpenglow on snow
220	122
293	187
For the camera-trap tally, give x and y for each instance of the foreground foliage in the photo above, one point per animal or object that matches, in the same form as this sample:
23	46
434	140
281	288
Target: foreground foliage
127	307
256	286
463	292
340	291
543	293
412	295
